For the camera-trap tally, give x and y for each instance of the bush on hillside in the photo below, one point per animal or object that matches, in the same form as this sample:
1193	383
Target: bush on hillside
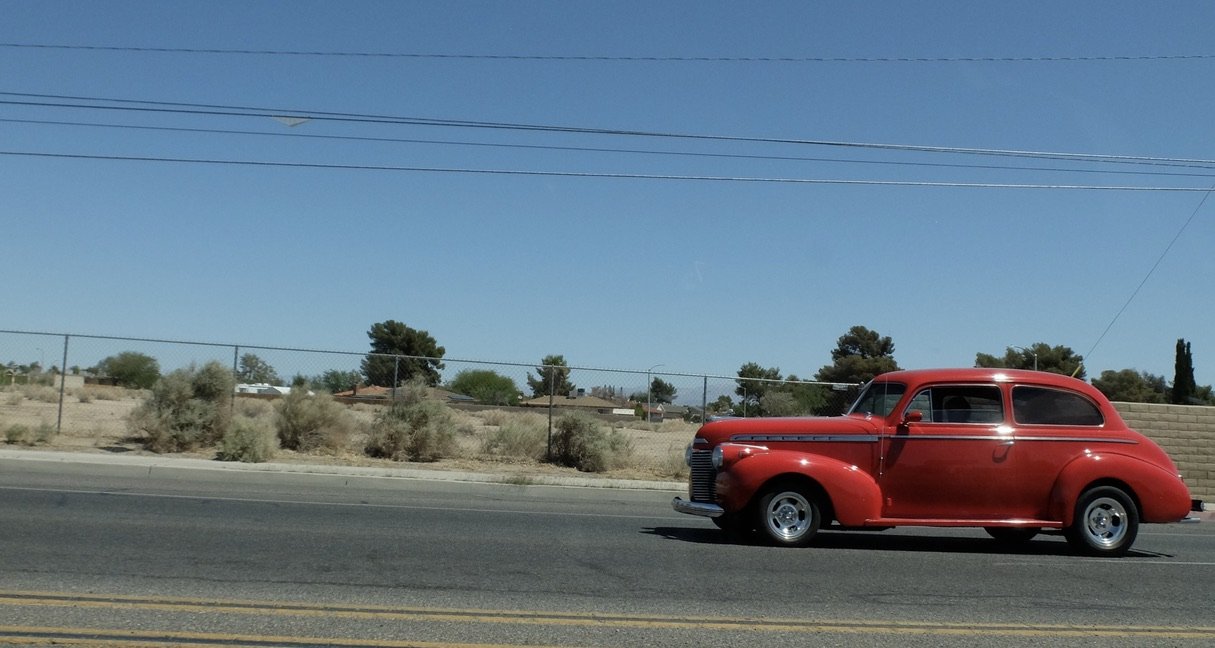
517	437
187	409
308	423
248	440
423	431
582	442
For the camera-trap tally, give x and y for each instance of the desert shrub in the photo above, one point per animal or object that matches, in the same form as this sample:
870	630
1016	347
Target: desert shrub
18	434
423	431
412	392
45	432
41	393
312	422
83	395
581	442
25	435
524	437
495	417
109	393
674	465
248	440
187	409
14	398
253	407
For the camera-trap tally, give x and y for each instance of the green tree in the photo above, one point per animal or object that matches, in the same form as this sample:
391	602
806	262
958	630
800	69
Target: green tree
252	369
859	355
1055	359
810	398
400	353
488	387
336	380
552	374
753	382
130	369
1184	387
1130	386
662	391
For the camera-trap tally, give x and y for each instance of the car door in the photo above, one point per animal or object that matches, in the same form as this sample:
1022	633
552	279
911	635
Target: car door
953	460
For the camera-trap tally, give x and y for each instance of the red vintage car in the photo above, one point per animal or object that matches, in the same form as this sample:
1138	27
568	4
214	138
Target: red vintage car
1013	452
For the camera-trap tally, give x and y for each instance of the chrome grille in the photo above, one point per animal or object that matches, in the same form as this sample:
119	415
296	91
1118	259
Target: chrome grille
702	481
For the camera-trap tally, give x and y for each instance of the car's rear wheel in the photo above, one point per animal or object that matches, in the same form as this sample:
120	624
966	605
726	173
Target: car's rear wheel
1105	523
789	516
1012	535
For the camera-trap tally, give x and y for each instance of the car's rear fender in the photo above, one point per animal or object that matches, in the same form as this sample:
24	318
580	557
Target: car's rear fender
854	495
1160	495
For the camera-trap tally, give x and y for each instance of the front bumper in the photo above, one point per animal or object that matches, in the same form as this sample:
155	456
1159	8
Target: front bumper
703	509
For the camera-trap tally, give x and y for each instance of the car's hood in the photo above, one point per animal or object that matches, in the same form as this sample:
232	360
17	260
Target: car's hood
719	431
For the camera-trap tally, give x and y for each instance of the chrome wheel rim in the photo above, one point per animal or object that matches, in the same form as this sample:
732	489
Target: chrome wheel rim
1105	521
790	515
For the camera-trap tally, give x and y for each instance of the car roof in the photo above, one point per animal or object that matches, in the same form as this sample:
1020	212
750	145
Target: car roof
984	374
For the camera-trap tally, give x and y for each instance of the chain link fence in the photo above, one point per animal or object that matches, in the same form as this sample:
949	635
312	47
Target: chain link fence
63	367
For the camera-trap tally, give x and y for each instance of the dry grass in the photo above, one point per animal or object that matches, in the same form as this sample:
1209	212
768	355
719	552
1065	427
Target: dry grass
98	421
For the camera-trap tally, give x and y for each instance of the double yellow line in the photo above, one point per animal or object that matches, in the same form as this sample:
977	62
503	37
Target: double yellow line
36	635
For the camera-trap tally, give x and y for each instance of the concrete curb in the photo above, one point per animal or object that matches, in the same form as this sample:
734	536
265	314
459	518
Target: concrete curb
188	463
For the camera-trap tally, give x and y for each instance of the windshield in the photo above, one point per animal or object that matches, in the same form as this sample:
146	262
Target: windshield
879	398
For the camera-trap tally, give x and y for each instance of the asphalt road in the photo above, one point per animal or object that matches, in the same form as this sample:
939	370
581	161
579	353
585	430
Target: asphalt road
92	553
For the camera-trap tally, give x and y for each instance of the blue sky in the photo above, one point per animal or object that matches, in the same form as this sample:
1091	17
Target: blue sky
699	275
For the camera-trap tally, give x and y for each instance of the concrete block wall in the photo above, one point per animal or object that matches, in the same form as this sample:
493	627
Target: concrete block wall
1187	433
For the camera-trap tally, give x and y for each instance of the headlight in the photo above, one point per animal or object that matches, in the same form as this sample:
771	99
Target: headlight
729	453
687	455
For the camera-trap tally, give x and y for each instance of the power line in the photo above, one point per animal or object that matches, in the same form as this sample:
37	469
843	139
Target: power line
247	111
582	174
591	149
1135	293
611	59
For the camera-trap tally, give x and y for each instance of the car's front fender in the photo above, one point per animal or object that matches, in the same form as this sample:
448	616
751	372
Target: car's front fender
855	496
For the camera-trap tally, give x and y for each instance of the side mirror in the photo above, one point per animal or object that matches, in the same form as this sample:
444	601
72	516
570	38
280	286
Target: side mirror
913	416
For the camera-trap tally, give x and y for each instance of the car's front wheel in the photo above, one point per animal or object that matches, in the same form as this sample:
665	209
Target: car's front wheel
1105	523
789	516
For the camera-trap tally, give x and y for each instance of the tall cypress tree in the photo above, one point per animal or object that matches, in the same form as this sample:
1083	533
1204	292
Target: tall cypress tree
1184	387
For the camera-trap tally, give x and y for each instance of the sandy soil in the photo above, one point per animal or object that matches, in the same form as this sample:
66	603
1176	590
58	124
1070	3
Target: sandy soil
94	419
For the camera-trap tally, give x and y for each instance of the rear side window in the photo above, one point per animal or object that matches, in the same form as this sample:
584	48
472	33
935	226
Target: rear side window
1042	406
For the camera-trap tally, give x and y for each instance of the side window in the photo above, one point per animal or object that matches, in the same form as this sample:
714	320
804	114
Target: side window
1042	406
960	404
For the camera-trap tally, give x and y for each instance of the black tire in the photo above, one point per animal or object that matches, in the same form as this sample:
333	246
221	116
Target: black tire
1104	523
788	516
1012	535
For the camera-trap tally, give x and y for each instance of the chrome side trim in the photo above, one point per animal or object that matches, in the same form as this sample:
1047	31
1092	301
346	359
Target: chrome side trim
1075	439
807	438
703	509
873	438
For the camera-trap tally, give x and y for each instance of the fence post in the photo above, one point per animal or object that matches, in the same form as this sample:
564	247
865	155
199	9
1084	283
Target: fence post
235	373
704	403
552	387
62	386
396	373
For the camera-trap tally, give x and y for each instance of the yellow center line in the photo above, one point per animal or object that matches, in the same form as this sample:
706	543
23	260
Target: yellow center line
38	635
540	618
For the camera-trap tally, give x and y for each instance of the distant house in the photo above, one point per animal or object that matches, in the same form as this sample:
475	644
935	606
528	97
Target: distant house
586	403
262	388
370	391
